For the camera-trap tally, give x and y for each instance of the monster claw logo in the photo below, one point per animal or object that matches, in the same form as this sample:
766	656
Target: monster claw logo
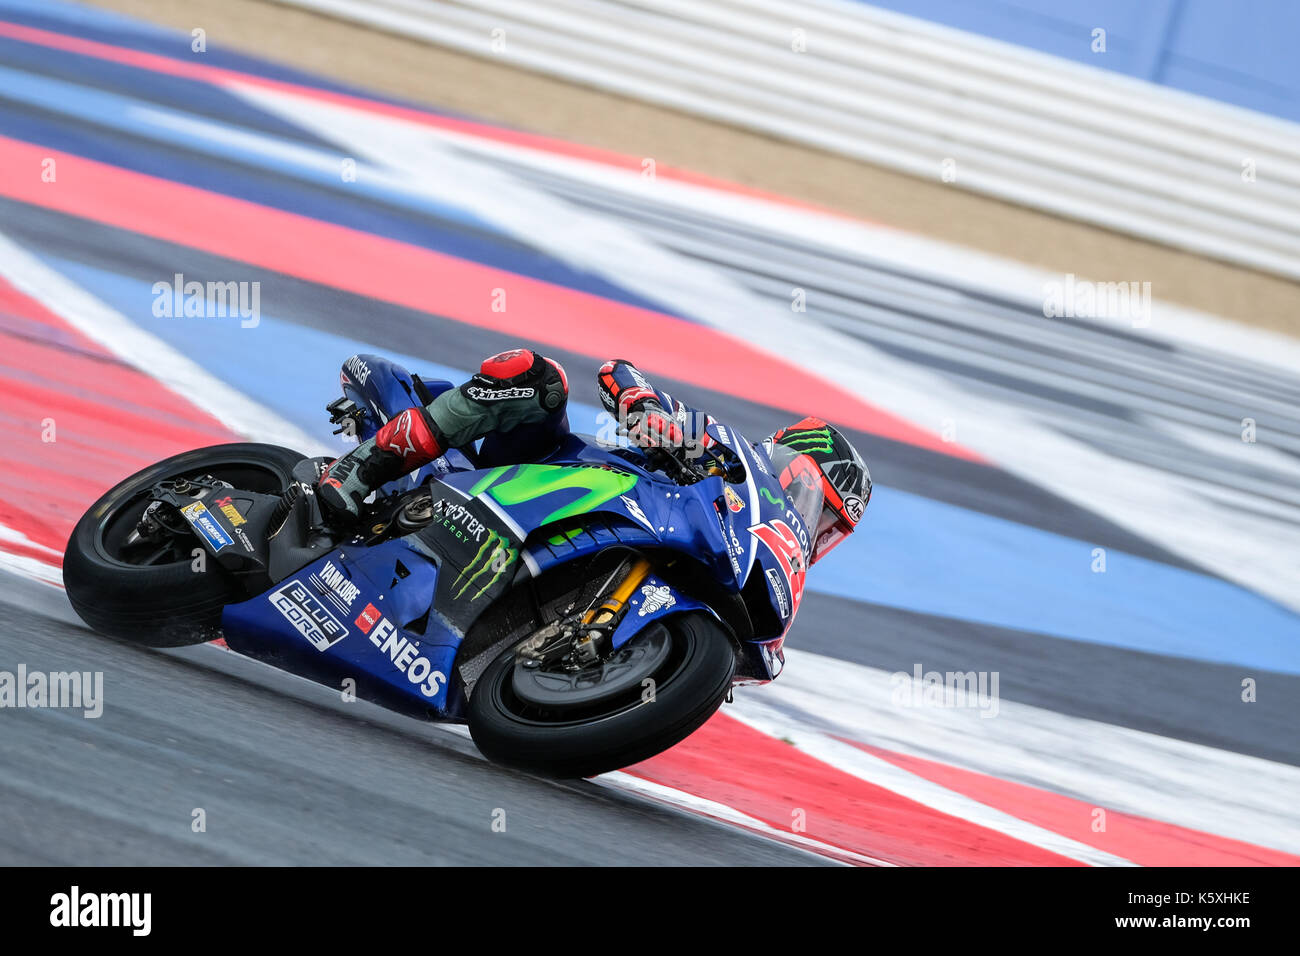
811	440
494	558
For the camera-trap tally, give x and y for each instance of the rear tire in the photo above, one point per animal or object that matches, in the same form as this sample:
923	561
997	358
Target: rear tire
167	604
689	688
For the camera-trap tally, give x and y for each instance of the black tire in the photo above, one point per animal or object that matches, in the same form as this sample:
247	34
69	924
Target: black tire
165	604
689	688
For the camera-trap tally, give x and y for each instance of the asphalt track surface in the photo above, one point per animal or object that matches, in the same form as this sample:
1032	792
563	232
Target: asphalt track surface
287	774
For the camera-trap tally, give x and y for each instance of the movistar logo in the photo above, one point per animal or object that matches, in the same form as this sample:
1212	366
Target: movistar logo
586	488
494	558
811	440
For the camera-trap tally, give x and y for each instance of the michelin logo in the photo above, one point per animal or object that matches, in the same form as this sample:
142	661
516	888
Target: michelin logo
655	599
201	520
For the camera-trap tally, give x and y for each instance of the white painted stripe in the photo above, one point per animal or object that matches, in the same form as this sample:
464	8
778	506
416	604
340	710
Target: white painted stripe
693	803
720	811
30	567
882	773
147	353
1115	768
17	537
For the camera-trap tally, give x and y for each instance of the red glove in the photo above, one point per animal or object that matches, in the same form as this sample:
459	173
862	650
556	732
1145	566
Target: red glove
650	426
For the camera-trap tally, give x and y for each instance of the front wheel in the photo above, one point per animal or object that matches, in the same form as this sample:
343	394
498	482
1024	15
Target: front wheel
153	594
650	694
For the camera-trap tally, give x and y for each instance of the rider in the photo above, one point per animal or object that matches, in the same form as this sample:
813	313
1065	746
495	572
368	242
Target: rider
517	401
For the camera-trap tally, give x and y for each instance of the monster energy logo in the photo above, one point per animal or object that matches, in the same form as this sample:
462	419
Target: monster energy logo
811	440
494	558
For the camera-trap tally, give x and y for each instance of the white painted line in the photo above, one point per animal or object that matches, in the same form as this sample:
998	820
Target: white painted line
1118	769
147	353
719	811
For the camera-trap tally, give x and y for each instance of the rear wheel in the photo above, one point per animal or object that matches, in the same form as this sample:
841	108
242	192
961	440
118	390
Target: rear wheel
650	694
150	593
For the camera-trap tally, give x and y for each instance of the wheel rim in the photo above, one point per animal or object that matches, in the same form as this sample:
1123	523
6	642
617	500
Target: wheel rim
662	658
611	679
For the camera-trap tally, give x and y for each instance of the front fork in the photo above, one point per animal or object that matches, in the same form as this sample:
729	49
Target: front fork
600	619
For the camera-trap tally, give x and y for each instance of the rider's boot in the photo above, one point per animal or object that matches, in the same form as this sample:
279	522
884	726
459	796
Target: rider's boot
511	389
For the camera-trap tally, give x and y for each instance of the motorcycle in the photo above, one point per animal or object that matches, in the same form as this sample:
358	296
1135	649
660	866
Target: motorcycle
580	612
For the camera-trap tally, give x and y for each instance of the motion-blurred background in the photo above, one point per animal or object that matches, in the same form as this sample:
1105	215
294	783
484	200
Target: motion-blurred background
1040	259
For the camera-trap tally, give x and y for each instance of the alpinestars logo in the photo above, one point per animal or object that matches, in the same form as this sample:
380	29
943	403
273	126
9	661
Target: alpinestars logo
494	558
498	394
402	431
655	599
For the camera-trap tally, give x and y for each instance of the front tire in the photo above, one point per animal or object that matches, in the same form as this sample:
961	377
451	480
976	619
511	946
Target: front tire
165	602
595	737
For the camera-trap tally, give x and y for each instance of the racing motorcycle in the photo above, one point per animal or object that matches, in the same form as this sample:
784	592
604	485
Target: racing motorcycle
580	612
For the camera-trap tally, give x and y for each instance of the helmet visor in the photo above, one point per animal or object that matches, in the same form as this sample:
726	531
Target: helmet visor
832	530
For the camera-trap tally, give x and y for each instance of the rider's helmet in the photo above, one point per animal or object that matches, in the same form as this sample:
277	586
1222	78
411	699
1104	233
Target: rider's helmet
825	477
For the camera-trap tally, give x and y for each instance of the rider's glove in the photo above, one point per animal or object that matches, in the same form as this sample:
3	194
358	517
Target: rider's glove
640	413
650	426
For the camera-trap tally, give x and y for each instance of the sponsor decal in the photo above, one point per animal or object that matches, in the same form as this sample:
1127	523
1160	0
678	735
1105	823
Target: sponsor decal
460	521
734	503
734	549
367	619
854	506
336	586
800	530
784	544
400	437
599	483
494	558
206	527
771	498
358	369
405	656
309	616
244	540
810	440
481	394
228	509
723	435
655	599
779	591
635	511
